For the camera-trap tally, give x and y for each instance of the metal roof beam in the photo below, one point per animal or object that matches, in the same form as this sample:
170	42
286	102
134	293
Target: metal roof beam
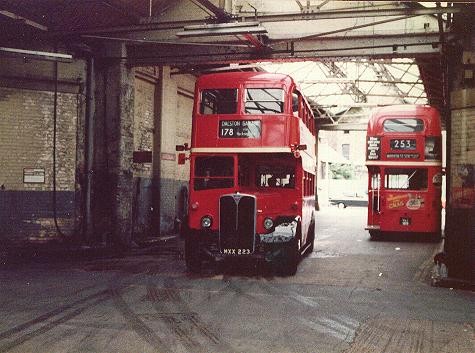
357	94
377	46
221	14
381	69
408	46
157	24
344	126
338	14
224	18
348	80
22	19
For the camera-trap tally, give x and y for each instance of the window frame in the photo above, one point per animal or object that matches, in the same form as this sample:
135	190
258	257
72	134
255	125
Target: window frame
202	106
419	127
282	100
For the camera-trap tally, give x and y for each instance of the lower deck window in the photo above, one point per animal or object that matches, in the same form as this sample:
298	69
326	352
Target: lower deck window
405	179
275	176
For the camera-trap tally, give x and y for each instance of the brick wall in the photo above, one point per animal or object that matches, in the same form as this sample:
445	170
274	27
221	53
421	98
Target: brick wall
26	141
26	138
143	123
144	105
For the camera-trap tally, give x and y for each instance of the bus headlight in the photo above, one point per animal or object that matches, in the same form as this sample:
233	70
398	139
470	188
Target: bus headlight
268	223
206	222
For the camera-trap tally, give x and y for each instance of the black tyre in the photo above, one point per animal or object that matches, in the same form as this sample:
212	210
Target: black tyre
291	258
375	234
183	229
311	237
435	237
192	253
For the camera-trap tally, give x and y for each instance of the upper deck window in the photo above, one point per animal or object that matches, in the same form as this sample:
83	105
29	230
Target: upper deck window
218	101
403	125
264	101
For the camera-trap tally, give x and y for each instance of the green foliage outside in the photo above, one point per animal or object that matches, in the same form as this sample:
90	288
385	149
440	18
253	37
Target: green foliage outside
341	171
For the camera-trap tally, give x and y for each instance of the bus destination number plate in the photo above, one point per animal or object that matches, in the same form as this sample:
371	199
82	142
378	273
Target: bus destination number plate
240	128
403	144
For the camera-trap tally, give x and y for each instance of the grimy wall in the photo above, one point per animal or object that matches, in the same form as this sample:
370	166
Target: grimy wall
28	198
166	117
27	147
460	224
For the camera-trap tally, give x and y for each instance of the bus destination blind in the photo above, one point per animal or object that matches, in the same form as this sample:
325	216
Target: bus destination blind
240	129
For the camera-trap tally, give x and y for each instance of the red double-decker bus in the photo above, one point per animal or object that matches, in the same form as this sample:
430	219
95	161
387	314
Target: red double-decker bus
252	170
404	160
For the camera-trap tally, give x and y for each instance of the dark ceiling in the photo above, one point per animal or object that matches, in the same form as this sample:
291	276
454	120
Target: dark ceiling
71	15
31	21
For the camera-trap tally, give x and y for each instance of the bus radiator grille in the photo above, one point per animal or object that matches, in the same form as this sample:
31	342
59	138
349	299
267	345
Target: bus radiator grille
237	214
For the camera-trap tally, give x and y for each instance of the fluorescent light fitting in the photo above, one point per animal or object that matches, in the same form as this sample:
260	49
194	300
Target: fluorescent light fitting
222	25
35	54
222	29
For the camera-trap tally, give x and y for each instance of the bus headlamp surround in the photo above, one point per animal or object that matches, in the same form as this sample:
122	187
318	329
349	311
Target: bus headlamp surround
206	222
268	223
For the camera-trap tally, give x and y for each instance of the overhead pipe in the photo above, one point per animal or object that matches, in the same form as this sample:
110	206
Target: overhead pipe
89	141
55	121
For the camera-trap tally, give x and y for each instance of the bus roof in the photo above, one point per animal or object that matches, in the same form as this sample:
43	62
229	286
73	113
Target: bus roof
405	109
229	79
426	112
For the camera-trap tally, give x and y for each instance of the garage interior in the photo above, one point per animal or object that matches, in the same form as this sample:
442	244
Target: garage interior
96	94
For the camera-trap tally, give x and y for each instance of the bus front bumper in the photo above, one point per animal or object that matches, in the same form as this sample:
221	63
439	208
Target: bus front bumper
267	247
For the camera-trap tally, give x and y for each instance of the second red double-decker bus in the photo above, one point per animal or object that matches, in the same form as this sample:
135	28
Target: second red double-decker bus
404	160
252	170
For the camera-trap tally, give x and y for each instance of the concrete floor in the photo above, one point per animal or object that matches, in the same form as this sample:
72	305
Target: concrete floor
350	295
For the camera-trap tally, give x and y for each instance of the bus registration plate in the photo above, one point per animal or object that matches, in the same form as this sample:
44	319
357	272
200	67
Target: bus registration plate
240	128
236	251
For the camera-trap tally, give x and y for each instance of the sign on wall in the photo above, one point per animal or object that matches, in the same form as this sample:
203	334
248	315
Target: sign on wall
34	175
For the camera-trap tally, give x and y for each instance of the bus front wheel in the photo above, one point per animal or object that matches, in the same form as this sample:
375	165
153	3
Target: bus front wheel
192	253
291	258
311	237
374	234
435	237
